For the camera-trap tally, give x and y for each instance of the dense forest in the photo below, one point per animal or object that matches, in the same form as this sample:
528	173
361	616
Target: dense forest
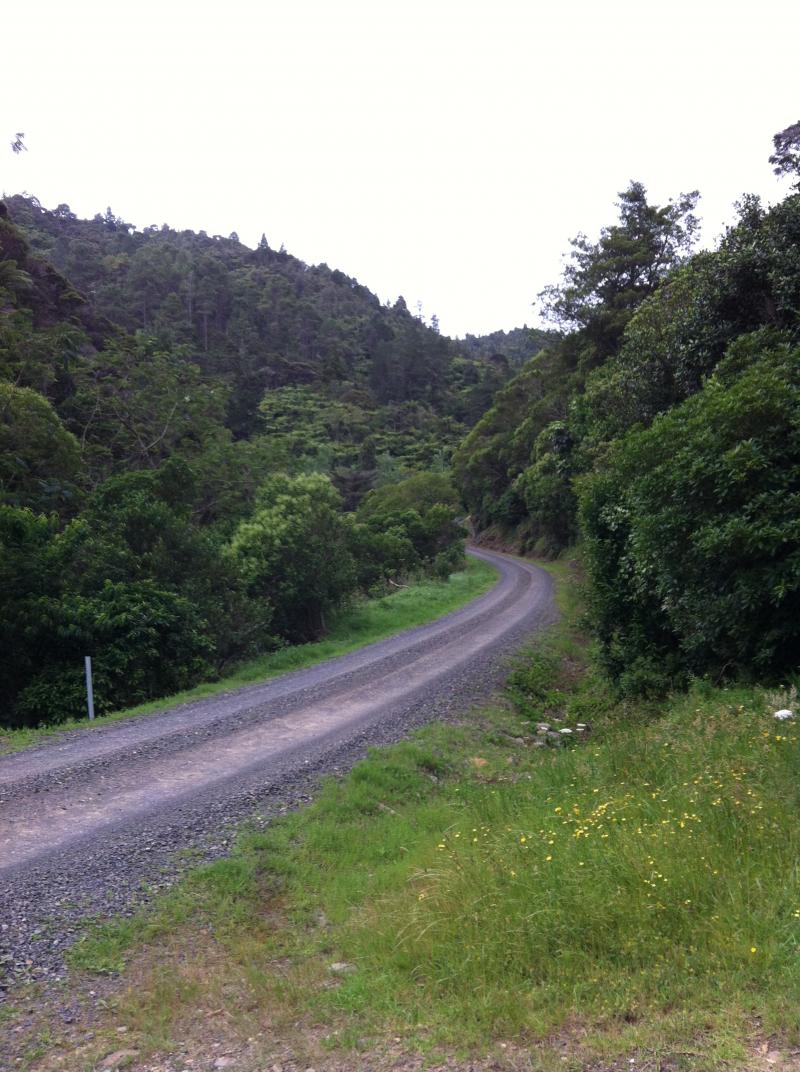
203	450
662	430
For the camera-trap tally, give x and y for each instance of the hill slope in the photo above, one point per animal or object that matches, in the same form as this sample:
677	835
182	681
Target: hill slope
263	320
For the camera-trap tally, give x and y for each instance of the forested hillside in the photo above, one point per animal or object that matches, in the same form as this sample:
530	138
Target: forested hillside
190	432
261	320
663	429
512	347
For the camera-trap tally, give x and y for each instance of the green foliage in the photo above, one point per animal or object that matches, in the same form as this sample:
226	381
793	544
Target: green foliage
504	469
421	512
27	577
135	527
311	424
146	639
511	348
673	406
514	469
135	405
420	492
259	320
40	461
545	488
128	579
145	642
691	530
381	552
531	684
294	553
605	281
678	336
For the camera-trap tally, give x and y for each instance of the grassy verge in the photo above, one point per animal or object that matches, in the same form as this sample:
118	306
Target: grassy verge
365	623
628	891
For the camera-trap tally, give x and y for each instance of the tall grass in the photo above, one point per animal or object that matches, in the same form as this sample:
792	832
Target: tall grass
625	878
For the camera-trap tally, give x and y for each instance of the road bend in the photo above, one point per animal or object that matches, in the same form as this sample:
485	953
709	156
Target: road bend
92	817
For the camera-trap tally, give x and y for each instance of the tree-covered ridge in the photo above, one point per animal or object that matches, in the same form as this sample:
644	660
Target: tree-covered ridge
512	347
261	319
662	430
142	522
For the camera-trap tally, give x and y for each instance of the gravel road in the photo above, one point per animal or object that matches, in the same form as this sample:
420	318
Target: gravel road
95	820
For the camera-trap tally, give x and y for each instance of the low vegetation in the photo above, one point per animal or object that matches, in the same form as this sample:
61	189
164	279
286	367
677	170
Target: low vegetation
161	601
627	889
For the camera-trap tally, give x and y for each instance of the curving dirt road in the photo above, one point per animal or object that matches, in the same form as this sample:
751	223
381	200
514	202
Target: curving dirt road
89	816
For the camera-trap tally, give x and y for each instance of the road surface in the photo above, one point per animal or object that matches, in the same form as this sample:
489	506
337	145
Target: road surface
87	818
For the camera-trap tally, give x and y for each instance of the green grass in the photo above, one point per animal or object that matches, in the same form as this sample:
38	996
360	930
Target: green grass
365	623
635	892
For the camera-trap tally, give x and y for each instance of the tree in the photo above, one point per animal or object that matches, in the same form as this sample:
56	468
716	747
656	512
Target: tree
142	526
294	552
422	511
136	404
546	489
27	579
679	335
786	158
606	280
148	279
39	459
13	279
419	492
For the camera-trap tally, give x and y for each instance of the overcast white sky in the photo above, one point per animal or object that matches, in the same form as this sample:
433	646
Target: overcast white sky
444	150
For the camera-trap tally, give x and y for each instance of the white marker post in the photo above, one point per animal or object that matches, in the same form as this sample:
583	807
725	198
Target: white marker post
89	693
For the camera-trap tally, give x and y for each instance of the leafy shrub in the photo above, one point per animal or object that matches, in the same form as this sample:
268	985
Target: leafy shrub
421	512
145	642
381	554
26	577
39	459
418	492
448	561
